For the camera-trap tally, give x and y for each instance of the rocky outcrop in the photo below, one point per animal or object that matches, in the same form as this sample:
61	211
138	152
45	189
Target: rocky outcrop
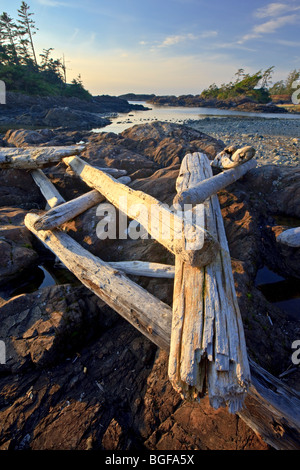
68	113
238	104
16	252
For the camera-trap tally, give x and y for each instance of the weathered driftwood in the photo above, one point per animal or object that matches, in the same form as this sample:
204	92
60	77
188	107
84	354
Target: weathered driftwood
231	157
186	239
144	268
67	211
47	188
290	237
144	311
208	349
31	158
115	172
270	408
212	185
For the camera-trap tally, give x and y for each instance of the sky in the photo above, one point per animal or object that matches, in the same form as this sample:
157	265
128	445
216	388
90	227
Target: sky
165	47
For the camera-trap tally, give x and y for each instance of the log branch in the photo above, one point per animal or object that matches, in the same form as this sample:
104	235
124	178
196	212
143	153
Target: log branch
207	188
172	231
31	158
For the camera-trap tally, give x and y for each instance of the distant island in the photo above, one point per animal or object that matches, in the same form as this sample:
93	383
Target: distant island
249	93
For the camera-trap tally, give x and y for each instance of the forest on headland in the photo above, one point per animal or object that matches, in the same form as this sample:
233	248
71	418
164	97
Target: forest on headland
25	71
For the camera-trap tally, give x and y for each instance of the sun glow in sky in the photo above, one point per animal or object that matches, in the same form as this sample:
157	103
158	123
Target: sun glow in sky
165	46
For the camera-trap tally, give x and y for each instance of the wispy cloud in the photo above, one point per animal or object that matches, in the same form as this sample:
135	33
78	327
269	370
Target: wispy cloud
278	17
275	9
177	39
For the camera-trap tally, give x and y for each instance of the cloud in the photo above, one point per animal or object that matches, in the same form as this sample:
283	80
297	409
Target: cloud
277	20
275	9
180	38
272	25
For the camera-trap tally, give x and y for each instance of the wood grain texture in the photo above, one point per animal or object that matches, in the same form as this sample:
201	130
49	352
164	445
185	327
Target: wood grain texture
208	350
185	238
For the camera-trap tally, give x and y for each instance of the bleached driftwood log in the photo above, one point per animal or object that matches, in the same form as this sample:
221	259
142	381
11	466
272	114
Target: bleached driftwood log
115	172
272	409
67	211
208	350
290	237
144	268
31	158
231	157
49	191
144	311
185	238
212	185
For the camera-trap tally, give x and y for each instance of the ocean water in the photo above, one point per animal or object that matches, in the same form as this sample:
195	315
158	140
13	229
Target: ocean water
178	115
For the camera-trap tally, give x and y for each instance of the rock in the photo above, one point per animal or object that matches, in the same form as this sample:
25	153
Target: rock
73	119
16	252
45	326
18	190
279	187
167	143
26	138
109	149
23	110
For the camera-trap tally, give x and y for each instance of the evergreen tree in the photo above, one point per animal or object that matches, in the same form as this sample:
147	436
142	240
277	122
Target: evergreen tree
27	29
8	38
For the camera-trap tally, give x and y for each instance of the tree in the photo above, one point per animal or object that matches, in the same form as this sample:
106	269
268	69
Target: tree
27	28
266	77
285	87
9	37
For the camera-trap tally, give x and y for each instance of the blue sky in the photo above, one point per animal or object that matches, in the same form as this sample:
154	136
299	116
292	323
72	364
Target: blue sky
166	46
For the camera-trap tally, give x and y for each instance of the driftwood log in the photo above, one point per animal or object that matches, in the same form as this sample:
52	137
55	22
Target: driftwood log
169	229
231	157
208	349
31	158
144	268
144	311
206	188
48	190
290	237
69	210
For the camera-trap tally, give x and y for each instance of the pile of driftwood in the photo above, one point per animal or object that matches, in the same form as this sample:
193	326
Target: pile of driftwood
203	331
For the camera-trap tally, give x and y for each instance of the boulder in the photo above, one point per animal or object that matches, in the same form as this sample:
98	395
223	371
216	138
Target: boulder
73	119
43	327
167	143
17	189
16	252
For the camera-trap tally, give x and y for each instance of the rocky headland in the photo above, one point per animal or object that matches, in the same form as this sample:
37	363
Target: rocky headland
69	113
237	104
77	375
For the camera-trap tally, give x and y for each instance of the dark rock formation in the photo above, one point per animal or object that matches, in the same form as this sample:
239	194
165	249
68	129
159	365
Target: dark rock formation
238	104
67	113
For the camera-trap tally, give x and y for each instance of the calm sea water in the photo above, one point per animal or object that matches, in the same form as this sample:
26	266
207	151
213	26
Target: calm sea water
177	115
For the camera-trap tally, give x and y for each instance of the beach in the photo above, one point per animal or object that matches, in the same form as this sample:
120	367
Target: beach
276	141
